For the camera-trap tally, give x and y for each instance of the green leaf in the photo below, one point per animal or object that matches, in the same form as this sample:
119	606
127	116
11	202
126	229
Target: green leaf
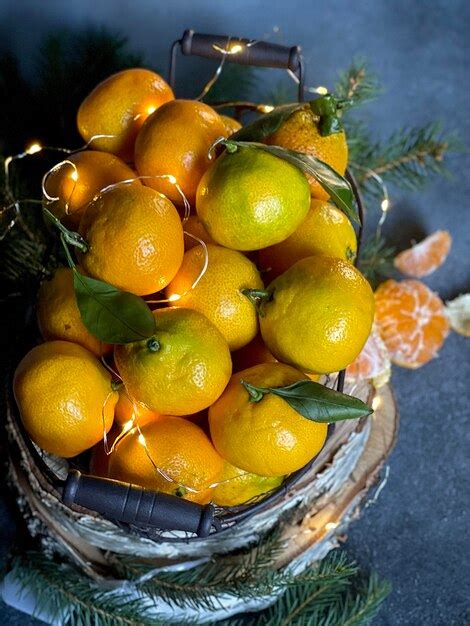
268	124
336	185
112	315
314	401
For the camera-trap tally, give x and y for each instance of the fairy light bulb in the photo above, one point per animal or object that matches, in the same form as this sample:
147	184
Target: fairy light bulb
235	48
376	402
321	90
128	426
266	108
331	525
172	179
141	439
151	109
33	148
385	205
74	176
174	297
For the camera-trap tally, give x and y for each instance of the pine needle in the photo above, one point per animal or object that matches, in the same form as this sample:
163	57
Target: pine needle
357	85
376	260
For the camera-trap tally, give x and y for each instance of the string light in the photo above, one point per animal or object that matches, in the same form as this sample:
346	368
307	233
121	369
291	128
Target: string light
385	203
265	108
34	148
177	296
331	526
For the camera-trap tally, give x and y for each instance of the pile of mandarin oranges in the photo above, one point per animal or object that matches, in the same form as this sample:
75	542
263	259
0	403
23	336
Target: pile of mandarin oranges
255	284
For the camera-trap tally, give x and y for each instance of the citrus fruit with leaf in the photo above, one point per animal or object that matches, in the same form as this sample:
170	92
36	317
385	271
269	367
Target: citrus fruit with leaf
182	369
218	294
411	320
193	227
58	314
301	132
426	256
77	180
129	411
318	314
118	107
175	141
238	487
134	237
267	437
326	230
249	199
65	397
172	455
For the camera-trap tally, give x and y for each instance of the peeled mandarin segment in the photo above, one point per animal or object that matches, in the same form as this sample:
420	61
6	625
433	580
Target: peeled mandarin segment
76	185
135	239
218	293
320	315
65	397
458	314
182	370
300	132
268	437
58	314
119	106
326	230
411	321
425	257
175	141
251	199
373	363
179	449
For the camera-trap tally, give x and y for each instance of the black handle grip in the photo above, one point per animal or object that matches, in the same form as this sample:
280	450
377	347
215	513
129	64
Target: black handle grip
259	53
135	505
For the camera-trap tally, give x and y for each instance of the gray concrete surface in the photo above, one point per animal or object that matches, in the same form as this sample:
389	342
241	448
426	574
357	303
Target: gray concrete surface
417	533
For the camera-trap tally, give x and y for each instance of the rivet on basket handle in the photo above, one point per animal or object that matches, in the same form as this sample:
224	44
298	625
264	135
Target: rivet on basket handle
248	52
131	504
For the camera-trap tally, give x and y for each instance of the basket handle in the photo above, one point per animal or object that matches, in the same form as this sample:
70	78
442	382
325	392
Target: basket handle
131	504
248	52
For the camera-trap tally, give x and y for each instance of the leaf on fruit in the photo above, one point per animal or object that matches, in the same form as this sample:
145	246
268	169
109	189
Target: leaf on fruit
268	124
314	401
333	183
112	315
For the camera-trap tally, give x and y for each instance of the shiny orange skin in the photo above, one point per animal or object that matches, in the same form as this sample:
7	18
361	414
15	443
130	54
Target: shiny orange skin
175	141
268	438
135	239
300	132
182	369
238	487
58	314
218	294
119	106
177	447
252	354
326	230
65	397
93	171
127	412
320	314
195	227
231	124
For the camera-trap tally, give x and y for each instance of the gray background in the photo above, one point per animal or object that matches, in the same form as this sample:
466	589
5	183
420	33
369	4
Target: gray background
417	533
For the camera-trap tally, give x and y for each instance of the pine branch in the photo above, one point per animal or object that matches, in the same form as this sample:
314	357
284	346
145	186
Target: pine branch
407	159
357	85
70	598
376	260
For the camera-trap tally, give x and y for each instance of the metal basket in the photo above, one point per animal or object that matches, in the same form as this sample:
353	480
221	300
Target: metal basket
159	516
